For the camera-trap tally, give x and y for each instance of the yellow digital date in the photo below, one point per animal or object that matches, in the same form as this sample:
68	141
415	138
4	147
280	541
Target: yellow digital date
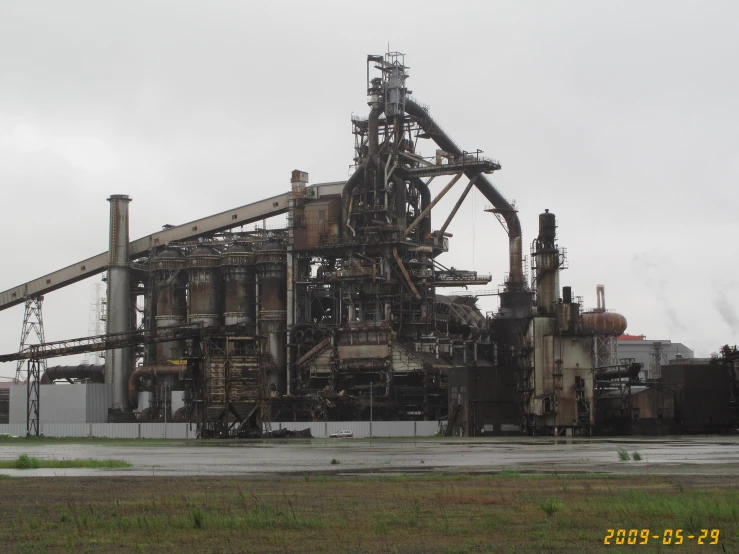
668	537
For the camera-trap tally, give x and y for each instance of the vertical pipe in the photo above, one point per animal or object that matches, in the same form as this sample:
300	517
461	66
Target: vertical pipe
118	361
400	201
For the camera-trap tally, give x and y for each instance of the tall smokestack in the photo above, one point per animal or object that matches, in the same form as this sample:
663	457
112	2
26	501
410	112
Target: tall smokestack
118	362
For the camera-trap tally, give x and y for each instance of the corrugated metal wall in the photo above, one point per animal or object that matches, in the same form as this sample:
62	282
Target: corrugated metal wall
99	399
361	429
15	429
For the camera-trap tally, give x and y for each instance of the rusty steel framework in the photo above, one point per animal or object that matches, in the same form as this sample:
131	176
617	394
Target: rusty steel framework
342	311
342	302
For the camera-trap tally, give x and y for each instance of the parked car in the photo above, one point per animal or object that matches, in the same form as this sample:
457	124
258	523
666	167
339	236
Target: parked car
341	435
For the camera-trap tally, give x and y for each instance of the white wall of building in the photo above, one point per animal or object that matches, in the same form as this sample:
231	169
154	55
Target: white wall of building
78	403
640	350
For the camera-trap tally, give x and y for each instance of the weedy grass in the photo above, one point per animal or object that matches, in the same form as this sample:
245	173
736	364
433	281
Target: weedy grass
308	513
635	456
623	455
551	506
25	461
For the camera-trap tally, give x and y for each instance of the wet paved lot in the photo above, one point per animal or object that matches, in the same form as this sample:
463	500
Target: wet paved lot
662	455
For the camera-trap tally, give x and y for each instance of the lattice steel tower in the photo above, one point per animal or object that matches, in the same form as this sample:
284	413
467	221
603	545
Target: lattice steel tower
33	321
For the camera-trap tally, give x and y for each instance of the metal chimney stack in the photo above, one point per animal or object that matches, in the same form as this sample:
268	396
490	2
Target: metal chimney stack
118	363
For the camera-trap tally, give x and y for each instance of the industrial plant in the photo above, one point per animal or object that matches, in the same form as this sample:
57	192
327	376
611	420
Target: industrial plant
348	312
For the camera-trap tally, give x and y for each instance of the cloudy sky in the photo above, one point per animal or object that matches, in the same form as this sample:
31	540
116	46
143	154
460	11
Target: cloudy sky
621	118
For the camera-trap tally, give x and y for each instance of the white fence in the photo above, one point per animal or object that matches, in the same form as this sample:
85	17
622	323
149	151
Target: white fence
362	429
109	430
323	429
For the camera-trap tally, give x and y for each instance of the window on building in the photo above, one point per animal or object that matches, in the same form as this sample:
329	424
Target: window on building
488	425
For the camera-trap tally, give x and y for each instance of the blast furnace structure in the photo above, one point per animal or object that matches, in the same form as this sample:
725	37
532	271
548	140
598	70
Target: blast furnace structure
342	306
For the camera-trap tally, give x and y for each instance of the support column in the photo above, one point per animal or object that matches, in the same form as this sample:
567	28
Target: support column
118	362
298	180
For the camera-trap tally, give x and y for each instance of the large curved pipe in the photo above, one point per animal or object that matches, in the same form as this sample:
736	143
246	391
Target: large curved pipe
424	228
95	373
471	324
346	195
480	321
400	200
133	380
373	139
482	183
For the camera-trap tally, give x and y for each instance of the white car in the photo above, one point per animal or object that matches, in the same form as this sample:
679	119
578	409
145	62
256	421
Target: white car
341	435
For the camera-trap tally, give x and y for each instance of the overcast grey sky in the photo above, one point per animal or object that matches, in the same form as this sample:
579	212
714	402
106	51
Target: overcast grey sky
621	118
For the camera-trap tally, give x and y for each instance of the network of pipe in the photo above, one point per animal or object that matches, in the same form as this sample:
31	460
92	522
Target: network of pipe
338	309
340	313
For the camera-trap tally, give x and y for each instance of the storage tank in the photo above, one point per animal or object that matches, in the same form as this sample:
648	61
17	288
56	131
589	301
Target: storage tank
237	269
170	281
603	323
271	267
202	269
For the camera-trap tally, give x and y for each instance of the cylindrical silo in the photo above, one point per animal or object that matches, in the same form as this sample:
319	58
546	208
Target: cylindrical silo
271	268
202	271
237	269
170	280
119	362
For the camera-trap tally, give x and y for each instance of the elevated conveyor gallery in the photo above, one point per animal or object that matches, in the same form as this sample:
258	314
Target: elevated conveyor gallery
223	221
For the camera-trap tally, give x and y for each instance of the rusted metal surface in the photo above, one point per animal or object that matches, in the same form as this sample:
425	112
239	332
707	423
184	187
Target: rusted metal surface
203	272
95	373
153	370
603	323
405	274
237	267
312	352
170	282
240	374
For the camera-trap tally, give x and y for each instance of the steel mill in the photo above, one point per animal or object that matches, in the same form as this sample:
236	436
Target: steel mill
344	312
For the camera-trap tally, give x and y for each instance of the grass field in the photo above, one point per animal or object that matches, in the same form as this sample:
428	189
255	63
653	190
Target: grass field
28	462
506	512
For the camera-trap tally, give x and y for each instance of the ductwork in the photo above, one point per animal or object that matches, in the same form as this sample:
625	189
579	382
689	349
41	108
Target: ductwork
424	227
400	200
480	321
621	372
95	373
373	140
465	320
133	381
372	150
346	195
483	185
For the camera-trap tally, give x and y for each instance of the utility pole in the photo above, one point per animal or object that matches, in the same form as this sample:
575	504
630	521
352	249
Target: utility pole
165	409
370	409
